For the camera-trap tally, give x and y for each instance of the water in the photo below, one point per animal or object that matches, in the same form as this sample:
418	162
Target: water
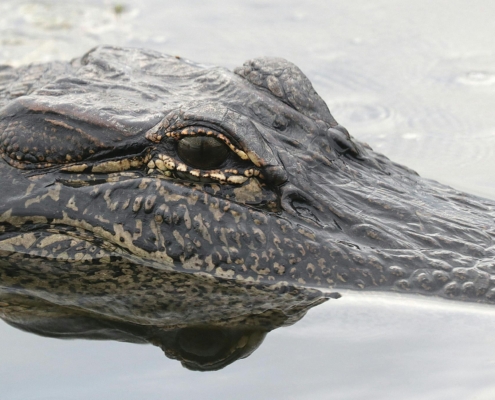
357	347
416	80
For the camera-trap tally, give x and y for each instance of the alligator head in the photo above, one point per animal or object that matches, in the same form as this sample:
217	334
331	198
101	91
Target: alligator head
125	166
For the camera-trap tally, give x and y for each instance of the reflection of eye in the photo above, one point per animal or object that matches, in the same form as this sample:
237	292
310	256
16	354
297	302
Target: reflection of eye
203	152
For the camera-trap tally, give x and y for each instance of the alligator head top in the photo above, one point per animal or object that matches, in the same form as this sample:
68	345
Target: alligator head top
127	161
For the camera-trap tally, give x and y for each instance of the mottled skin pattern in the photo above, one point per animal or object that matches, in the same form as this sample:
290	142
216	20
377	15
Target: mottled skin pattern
96	203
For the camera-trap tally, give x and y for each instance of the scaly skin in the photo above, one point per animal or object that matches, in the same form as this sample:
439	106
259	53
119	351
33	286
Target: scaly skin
91	153
96	202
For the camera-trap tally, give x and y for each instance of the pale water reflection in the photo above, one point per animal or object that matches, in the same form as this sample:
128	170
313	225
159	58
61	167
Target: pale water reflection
413	79
357	347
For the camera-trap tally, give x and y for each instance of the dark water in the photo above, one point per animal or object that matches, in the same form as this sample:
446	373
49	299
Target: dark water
416	80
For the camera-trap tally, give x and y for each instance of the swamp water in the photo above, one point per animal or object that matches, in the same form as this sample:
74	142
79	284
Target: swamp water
414	80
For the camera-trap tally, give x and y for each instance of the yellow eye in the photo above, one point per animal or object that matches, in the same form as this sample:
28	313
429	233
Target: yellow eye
203	152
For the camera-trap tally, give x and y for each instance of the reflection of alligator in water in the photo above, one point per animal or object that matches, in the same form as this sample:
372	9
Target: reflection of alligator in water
128	161
204	323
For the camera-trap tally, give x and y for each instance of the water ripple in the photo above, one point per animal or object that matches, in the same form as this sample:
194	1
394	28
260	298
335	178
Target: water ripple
362	113
477	78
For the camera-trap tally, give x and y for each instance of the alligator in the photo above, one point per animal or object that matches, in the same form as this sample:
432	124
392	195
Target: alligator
135	183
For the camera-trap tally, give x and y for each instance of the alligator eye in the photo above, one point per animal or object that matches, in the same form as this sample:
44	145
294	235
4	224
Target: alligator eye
202	152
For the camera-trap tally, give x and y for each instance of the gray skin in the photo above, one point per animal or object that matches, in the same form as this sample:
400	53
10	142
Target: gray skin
89	152
102	210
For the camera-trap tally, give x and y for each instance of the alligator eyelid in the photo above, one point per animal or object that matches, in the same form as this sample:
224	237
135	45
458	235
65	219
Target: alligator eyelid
179	168
202	131
169	168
